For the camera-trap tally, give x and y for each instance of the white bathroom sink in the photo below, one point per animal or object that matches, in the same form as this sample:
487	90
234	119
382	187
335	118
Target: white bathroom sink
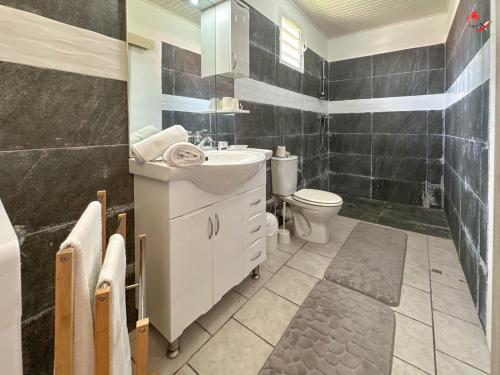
221	173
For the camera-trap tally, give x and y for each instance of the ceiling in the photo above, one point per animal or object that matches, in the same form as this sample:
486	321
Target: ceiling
340	17
184	8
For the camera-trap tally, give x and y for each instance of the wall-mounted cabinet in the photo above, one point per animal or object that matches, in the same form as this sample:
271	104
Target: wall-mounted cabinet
228	54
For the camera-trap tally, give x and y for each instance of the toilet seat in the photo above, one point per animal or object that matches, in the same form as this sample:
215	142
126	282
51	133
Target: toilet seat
317	198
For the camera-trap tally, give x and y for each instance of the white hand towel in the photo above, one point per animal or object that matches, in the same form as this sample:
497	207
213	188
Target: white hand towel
142	134
152	147
183	155
113	272
86	240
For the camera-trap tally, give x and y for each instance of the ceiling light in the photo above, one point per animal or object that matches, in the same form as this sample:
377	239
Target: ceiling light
195	2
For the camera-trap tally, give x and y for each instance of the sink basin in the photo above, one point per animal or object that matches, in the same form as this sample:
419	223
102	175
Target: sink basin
221	173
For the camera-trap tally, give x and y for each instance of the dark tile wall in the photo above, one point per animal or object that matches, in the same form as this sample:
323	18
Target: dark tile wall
265	63
466	156
63	136
389	156
415	71
304	133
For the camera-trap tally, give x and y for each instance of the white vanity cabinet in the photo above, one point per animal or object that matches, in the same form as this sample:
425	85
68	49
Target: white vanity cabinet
199	245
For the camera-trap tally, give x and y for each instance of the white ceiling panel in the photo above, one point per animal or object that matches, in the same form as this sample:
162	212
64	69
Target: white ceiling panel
184	8
340	17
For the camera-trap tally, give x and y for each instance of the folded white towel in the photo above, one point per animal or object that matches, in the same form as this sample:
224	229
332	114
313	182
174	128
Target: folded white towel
113	272
154	146
86	240
142	134
183	155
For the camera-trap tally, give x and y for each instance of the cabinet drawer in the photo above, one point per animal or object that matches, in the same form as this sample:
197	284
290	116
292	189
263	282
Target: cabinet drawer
254	202
254	255
254	229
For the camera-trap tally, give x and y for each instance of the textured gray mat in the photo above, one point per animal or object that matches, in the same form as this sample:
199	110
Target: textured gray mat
371	262
336	331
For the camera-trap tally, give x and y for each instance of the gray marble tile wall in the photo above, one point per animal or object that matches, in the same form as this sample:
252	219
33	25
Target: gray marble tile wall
63	136
389	156
467	146
415	71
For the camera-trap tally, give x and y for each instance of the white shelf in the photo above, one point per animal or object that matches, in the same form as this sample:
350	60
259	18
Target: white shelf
233	112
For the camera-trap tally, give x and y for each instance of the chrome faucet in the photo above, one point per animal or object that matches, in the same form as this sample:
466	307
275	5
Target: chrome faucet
204	140
200	138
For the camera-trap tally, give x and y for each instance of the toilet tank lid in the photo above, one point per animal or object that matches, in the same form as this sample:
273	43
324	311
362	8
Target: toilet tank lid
318	196
289	158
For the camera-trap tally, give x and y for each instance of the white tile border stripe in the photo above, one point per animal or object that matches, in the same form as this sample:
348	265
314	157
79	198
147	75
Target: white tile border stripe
260	92
30	39
475	74
183	104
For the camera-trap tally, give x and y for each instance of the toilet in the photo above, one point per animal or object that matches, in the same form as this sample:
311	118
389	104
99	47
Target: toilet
312	209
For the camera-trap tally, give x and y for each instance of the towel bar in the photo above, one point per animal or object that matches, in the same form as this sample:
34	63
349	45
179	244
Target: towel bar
64	308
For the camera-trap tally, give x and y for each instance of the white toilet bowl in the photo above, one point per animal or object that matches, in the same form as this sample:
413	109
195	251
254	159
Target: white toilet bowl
312	210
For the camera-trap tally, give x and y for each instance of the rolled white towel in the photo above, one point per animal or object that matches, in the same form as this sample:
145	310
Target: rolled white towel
142	134
153	147
183	155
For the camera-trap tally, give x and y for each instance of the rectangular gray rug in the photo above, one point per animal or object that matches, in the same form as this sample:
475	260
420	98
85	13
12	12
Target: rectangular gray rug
335	331
371	262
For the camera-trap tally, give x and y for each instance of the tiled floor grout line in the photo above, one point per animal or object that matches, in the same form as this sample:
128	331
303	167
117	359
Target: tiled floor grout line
459	360
411	364
456	317
432	307
285	264
449	286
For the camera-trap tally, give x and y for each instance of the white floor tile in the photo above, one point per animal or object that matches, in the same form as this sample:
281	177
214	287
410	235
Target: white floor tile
186	370
267	314
447	365
414	343
400	367
461	340
416	277
218	315
329	250
417	252
310	263
233	350
454	302
452	277
292	284
415	304
249	286
275	260
190	341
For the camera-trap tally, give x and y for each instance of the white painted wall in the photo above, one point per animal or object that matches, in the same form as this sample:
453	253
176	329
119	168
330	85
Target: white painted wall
273	9
145	92
418	33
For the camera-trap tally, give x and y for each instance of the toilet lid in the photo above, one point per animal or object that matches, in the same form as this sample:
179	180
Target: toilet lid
318	197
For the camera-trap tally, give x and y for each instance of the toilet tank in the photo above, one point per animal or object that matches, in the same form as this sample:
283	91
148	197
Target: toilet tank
10	303
284	175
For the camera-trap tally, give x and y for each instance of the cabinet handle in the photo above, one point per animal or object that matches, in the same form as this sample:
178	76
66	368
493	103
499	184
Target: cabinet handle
256	230
217	224
256	202
256	257
211	231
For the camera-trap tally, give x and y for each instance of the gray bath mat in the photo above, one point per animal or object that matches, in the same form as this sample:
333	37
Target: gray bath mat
336	331
371	262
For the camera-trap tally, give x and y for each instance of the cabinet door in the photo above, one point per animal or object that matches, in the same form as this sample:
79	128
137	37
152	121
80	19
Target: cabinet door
191	268
227	246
